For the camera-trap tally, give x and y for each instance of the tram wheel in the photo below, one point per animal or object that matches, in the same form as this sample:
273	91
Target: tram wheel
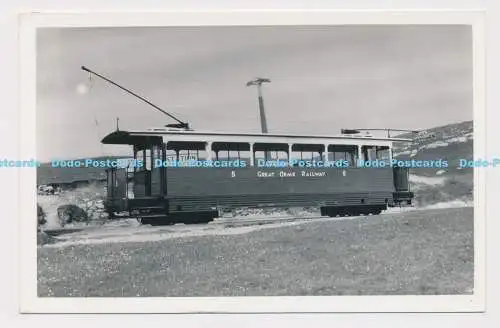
355	212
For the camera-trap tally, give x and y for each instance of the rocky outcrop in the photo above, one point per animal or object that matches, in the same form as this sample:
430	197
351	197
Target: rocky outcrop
95	209
71	213
41	216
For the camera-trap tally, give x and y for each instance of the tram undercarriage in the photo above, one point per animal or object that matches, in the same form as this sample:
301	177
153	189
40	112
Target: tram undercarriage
157	219
352	210
154	211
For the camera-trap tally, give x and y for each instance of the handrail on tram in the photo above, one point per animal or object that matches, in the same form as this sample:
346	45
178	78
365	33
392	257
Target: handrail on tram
357	131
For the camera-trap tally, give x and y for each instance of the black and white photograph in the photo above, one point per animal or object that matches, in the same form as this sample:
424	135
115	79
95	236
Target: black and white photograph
256	161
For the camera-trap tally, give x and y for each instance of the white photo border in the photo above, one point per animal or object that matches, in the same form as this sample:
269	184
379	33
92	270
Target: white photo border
31	303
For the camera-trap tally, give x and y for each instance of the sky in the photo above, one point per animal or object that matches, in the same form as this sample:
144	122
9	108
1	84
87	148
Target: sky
323	78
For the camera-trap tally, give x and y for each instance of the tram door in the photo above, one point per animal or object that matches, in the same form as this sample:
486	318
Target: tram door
116	183
148	180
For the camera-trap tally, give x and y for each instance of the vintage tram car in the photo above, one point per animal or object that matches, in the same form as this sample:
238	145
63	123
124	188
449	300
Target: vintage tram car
168	185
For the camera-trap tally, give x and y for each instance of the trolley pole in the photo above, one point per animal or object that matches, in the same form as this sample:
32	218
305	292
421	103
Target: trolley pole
258	82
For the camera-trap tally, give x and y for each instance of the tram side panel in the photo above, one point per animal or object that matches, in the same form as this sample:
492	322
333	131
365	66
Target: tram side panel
200	189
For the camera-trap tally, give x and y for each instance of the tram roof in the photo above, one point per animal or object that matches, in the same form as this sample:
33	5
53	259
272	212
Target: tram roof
137	136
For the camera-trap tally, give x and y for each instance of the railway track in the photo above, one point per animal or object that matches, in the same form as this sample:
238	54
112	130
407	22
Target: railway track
226	222
132	226
128	232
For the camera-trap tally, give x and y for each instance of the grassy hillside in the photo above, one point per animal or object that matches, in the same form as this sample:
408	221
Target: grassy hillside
450	142
434	185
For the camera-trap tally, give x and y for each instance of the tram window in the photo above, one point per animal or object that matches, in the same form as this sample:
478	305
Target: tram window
259	154
152	155
147	164
140	157
282	155
369	153
224	155
130	165
220	155
383	153
342	152
241	155
340	155
307	152
272	155
244	155
184	155
171	155
201	154
189	154
376	152
185	151
232	155
306	155
231	151
157	152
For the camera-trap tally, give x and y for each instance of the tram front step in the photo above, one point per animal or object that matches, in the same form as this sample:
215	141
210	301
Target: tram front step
152	216
159	207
